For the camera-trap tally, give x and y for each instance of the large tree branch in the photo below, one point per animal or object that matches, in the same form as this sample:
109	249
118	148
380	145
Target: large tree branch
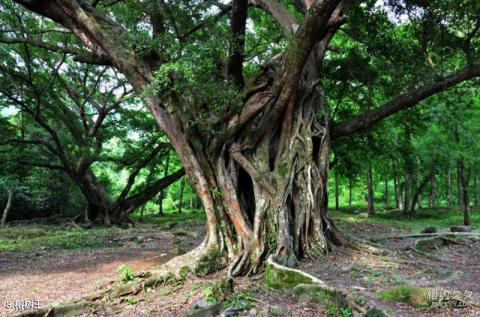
138	168
148	193
50	148
237	43
79	56
286	20
43	165
404	101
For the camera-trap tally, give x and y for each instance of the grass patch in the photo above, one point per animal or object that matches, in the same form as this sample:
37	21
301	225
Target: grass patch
412	295
36	238
435	217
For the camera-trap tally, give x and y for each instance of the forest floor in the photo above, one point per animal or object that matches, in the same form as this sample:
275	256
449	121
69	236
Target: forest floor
54	264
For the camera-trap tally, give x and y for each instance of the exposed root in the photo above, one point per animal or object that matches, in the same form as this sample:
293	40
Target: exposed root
426	235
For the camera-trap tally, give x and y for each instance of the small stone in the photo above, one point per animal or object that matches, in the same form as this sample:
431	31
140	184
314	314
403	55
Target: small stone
170	225
200	303
461	229
230	311
180	232
278	310
252	312
430	230
176	251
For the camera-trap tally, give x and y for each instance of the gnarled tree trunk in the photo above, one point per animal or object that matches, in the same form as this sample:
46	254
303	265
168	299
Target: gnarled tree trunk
262	178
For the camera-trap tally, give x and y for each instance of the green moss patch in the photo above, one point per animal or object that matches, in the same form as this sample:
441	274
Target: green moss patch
412	295
282	279
429	245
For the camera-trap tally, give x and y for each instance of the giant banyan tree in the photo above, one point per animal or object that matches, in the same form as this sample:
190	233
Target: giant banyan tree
259	156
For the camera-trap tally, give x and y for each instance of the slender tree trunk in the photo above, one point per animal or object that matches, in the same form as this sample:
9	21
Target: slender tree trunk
350	185
419	190
162	192
337	192
407	193
7	207
371	204
459	186
475	192
385	195
396	185
434	191
180	198
449	186
467	218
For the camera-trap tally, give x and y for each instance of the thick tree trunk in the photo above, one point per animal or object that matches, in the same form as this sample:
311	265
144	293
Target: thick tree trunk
337	192
467	218
370	198
8	207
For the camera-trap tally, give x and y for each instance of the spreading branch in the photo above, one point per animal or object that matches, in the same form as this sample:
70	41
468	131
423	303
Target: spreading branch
79	56
404	101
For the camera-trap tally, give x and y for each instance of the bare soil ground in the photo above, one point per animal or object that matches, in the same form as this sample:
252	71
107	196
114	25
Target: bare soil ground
58	276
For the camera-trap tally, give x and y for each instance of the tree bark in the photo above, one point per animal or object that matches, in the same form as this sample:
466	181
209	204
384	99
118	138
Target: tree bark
370	198
467	218
8	207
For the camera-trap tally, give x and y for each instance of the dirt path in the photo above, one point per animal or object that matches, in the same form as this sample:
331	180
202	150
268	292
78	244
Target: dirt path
52	277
